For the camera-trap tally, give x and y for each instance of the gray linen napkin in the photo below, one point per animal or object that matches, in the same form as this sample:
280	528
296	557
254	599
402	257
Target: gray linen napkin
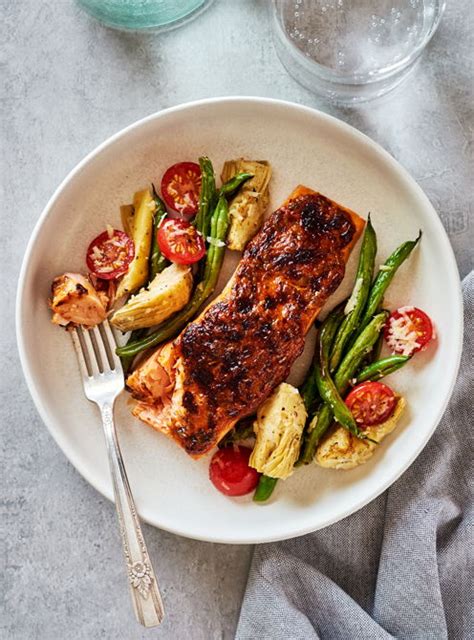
401	567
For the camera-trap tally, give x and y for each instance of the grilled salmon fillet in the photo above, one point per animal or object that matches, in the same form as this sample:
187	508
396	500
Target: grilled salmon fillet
225	363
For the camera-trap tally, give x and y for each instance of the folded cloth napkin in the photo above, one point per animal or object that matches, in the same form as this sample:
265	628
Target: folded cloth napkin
401	567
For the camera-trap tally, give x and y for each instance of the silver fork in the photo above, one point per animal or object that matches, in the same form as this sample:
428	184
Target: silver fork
103	381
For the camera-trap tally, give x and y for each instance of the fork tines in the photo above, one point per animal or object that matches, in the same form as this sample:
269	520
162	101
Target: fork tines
95	350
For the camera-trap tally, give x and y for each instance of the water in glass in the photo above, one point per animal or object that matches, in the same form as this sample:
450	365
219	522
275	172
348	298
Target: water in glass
351	50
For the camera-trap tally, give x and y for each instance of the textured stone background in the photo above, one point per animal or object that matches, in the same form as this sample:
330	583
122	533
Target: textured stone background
67	84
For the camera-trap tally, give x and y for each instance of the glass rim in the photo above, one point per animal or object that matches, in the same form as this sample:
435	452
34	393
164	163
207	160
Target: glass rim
332	76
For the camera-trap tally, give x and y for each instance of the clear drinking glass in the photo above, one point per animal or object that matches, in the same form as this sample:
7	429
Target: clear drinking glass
156	15
353	50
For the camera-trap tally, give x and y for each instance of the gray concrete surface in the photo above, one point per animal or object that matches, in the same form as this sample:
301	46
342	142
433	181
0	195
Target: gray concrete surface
67	84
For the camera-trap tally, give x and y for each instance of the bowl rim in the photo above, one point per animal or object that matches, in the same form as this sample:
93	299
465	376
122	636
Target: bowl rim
450	264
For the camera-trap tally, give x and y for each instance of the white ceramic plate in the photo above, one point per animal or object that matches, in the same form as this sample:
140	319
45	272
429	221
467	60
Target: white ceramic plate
304	146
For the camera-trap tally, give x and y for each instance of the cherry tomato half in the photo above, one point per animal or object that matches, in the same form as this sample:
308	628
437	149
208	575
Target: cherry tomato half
180	187
110	254
408	330
230	473
180	242
371	403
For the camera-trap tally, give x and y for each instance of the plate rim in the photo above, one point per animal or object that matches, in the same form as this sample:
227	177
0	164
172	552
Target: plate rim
451	265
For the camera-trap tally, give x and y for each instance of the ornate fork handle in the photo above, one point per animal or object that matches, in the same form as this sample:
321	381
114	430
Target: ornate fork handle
143	585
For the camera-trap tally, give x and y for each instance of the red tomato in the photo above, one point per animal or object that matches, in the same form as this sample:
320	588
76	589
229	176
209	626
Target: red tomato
230	473
110	254
371	403
180	242
180	187
408	330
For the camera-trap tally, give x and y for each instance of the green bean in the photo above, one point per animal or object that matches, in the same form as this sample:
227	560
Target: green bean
356	354
321	421
382	368
358	299
157	260
264	488
309	388
136	334
214	258
207	196
317	427
374	354
215	253
231	186
327	388
385	277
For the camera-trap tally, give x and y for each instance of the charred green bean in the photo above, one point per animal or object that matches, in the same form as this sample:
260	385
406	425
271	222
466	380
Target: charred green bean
358	300
231	186
326	385
382	368
385	277
309	388
264	488
321	420
157	260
